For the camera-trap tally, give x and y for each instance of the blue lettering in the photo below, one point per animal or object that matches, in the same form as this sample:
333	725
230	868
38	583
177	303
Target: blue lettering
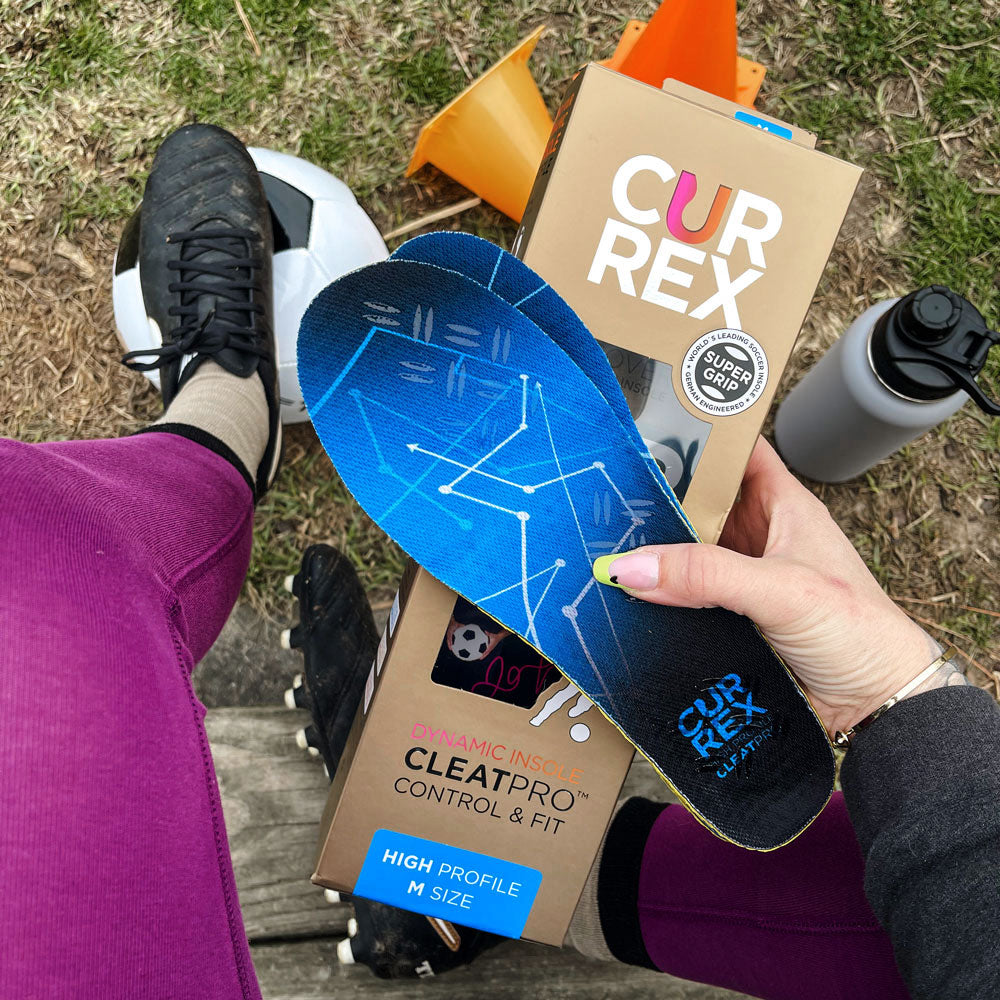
704	742
680	724
729	684
712	722
704	709
726	724
749	707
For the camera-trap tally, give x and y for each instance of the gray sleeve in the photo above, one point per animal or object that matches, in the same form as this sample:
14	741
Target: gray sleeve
922	785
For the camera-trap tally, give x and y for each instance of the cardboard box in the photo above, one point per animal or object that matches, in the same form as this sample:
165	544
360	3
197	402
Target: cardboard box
456	803
477	783
689	234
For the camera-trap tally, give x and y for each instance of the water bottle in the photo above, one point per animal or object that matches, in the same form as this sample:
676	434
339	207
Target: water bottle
902	367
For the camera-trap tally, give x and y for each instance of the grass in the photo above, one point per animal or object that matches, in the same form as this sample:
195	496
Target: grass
907	89
914	87
428	77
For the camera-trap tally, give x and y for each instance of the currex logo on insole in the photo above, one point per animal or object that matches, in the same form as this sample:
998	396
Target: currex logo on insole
725	726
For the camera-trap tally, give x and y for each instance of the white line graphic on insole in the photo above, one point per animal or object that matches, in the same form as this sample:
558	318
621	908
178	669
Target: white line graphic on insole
474	475
343	373
520	302
479	472
559	563
523	426
571	610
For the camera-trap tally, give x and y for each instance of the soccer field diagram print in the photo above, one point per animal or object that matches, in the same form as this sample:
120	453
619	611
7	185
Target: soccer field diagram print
494	460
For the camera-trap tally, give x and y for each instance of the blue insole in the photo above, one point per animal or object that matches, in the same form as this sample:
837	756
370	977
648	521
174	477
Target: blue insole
500	464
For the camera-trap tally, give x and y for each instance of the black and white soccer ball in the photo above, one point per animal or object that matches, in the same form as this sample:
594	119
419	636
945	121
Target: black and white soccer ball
320	233
469	642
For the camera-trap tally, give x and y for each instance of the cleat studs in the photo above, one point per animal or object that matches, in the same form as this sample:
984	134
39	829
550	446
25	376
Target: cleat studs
352	927
295	696
344	953
286	638
307	739
331	895
290	583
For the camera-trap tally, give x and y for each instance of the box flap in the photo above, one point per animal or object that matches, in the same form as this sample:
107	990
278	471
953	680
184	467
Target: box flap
750	116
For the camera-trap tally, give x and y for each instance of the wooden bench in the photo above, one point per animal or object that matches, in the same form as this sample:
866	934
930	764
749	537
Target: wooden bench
273	796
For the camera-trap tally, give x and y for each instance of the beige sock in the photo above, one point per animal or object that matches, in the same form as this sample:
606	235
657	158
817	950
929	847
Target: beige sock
228	407
585	934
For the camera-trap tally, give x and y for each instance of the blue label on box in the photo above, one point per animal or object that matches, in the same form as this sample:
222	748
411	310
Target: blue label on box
447	882
765	126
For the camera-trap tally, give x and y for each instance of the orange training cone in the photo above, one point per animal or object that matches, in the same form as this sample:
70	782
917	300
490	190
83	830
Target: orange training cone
625	44
693	41
749	74
749	77
491	138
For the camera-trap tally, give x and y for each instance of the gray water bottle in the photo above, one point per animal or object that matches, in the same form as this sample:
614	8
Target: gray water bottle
902	367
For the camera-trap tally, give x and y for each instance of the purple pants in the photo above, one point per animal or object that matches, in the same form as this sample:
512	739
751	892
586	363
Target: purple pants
121	560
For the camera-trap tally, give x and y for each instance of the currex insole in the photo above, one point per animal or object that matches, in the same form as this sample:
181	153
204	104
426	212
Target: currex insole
504	475
511	279
515	282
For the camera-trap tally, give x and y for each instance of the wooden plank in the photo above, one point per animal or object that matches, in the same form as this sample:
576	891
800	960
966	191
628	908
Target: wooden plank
273	795
308	970
272	798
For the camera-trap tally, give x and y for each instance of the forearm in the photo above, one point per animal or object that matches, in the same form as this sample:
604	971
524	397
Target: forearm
922	785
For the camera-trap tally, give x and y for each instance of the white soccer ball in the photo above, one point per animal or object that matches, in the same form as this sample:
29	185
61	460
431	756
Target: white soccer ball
320	233
469	642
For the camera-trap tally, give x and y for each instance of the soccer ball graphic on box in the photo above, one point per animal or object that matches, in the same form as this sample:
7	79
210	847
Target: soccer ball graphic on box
320	233
469	642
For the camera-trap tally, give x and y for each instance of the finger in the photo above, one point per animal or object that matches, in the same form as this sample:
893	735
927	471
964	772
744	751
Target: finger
766	470
697	576
747	525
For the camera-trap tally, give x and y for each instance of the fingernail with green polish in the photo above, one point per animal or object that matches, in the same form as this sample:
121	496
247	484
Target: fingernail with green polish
602	570
636	571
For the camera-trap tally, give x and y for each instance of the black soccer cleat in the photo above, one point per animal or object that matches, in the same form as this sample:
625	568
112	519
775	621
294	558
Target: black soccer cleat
205	247
397	944
336	633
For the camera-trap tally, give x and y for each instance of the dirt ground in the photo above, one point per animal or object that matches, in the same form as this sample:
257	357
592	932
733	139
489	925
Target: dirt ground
926	520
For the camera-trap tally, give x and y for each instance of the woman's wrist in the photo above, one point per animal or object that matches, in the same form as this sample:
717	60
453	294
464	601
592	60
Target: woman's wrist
940	672
946	675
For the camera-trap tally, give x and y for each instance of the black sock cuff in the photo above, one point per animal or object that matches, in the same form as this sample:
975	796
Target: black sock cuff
618	880
206	440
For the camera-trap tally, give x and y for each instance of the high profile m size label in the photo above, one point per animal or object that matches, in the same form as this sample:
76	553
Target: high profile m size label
448	882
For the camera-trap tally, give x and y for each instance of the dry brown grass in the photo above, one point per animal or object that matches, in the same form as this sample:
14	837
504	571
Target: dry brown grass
75	140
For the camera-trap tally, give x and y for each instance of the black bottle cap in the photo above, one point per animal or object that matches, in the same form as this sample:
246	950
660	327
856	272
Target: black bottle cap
931	344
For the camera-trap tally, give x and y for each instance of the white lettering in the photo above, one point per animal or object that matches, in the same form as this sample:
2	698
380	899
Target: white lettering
737	228
661	271
605	256
725	297
619	187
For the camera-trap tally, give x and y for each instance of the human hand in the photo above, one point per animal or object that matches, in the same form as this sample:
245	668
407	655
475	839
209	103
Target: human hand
784	563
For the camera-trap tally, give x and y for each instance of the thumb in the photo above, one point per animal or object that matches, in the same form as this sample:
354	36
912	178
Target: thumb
695	575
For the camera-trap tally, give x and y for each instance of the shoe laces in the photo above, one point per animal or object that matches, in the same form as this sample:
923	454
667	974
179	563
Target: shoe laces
212	262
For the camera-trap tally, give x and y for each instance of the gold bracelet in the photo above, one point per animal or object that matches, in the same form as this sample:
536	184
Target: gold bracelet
842	740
